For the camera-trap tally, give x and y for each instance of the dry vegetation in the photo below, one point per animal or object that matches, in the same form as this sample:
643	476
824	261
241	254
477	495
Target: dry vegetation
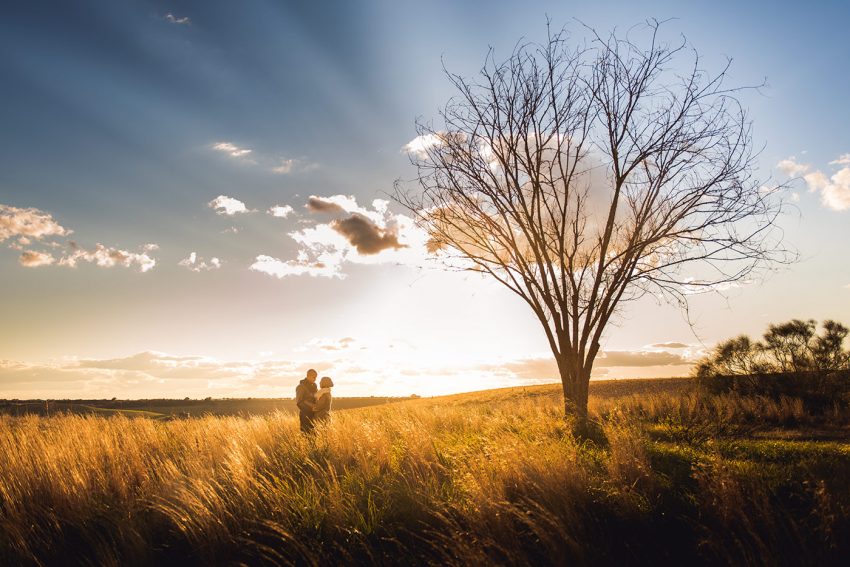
491	477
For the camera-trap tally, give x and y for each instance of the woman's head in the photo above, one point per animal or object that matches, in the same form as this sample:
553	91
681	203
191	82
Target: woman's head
326	382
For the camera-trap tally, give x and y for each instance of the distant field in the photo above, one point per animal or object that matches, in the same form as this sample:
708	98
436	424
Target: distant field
175	408
669	476
169	409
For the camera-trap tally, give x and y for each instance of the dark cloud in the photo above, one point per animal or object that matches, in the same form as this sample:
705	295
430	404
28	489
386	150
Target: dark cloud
319	205
670	345
365	235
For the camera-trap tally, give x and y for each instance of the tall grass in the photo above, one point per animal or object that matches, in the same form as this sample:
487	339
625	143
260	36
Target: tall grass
485	478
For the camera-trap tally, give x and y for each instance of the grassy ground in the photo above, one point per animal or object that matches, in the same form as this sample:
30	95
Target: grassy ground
482	478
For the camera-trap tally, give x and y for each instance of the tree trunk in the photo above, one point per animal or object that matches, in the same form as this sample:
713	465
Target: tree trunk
575	381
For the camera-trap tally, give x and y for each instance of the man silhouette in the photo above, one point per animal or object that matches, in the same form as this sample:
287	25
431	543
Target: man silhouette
305	399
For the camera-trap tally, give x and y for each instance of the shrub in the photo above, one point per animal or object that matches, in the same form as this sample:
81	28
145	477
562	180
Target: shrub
791	360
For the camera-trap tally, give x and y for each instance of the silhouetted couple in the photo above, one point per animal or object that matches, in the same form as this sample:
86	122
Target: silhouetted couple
314	403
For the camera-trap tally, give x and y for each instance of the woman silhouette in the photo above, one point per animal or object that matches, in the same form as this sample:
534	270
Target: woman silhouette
323	400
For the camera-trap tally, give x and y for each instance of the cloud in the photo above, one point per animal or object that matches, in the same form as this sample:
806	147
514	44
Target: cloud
269	163
225	205
329	205
28	223
342	204
35	259
367	237
148	372
171	18
545	367
280	211
357	235
834	189
100	255
302	266
327	344
533	368
231	149
672	345
199	265
791	168
292	165
420	145
108	257
286	166
611	359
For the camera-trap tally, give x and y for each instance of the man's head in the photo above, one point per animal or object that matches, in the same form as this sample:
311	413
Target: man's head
312	375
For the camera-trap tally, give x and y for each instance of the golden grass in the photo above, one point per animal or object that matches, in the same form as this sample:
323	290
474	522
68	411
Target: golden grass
471	479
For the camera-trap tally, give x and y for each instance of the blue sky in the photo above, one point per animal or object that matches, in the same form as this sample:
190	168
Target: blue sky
122	121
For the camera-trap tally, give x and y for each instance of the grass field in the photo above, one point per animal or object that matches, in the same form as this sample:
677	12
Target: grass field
170	409
493	477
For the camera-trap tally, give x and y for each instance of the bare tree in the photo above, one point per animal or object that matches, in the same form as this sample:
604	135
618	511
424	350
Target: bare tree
582	178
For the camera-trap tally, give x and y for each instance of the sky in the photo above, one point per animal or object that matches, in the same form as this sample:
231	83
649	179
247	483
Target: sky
170	171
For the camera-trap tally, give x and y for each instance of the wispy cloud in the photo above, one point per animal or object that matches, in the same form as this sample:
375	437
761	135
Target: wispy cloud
108	257
285	166
618	358
229	206
834	188
195	264
301	266
545	367
171	18
671	345
101	256
265	161
280	211
146	372
329	344
231	149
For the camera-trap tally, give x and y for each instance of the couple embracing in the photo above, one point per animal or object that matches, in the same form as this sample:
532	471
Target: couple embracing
314	403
